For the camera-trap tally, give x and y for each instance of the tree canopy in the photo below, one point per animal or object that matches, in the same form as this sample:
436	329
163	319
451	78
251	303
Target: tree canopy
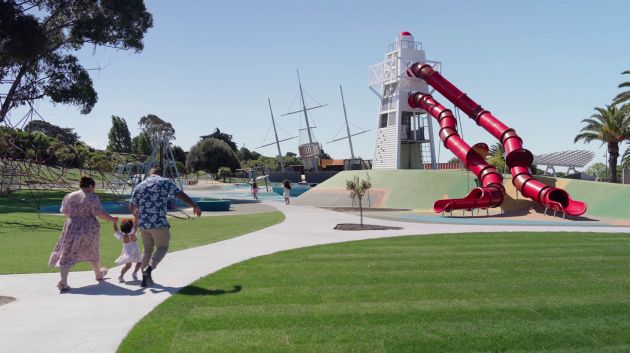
119	136
63	134
39	37
141	144
210	154
179	154
227	138
610	125
454	160
598	170
496	157
244	154
624	97
153	127
324	155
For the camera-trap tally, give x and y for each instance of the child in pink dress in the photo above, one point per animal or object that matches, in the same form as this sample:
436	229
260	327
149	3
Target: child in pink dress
130	252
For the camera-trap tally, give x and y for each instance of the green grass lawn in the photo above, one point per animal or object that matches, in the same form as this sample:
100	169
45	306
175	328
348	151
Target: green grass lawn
26	239
503	292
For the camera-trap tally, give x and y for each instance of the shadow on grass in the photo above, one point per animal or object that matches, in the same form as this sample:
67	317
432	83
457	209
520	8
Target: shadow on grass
30	225
197	291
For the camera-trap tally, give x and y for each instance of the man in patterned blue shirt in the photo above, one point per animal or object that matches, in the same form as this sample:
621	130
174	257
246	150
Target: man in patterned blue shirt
148	202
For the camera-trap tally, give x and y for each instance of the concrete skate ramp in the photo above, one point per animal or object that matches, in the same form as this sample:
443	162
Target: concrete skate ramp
419	189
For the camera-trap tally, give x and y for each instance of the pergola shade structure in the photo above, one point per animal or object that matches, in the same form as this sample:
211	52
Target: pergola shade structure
570	159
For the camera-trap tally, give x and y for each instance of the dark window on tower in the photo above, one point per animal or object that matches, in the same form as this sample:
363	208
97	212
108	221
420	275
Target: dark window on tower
383	121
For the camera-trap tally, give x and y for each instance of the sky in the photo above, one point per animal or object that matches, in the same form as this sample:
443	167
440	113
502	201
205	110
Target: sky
539	66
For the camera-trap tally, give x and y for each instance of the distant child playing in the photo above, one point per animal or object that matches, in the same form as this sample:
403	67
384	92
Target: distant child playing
286	191
255	190
130	252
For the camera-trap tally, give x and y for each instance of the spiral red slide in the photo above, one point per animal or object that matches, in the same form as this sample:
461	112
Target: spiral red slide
490	194
518	159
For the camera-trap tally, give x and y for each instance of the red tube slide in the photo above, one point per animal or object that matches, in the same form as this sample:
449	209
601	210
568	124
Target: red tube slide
517	158
491	192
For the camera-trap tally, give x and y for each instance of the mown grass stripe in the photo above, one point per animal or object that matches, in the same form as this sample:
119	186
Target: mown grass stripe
524	292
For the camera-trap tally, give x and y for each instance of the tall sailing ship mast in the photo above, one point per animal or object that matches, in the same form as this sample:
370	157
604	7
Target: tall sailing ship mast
309	152
349	135
277	143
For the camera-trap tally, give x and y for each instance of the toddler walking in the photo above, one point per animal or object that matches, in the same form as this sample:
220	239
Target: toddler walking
130	252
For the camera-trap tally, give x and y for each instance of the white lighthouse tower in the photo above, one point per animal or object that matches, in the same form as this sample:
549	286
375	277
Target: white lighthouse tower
404	135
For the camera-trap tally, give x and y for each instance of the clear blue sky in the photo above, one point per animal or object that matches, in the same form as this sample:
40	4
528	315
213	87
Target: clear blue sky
539	66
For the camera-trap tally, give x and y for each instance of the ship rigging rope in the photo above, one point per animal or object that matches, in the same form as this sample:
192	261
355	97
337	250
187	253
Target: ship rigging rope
283	130
293	102
309	95
337	134
266	135
357	126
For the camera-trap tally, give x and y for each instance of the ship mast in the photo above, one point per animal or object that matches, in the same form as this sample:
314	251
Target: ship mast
349	135
273	121
277	143
343	102
308	125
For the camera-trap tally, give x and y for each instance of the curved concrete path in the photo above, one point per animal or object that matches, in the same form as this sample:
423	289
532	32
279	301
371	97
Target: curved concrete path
96	317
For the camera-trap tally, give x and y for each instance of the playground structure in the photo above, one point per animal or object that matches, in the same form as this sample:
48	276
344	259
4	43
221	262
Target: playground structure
519	160
128	175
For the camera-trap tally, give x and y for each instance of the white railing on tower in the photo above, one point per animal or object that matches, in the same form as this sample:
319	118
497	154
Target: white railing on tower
404	44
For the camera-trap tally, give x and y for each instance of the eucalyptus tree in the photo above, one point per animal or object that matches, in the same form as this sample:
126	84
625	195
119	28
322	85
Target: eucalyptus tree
39	40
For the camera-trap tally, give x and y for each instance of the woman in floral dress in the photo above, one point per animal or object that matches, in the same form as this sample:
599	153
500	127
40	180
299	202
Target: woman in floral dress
79	241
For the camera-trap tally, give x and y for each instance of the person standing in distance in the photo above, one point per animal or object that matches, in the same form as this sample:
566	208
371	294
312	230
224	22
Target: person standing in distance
149	200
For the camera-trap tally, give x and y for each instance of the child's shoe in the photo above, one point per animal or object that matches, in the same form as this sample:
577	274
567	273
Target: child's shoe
121	279
134	276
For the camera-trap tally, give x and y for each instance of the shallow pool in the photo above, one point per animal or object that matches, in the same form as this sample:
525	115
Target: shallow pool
111	207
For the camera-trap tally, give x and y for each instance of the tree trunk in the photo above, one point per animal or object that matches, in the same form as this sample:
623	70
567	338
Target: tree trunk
162	159
9	98
613	154
361	211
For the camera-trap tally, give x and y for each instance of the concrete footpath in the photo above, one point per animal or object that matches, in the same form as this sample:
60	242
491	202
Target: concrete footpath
95	317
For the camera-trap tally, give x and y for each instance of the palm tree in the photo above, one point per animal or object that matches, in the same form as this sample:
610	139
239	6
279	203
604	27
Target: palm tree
623	97
610	125
496	157
358	188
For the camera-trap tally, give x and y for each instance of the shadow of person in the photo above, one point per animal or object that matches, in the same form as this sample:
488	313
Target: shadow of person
198	291
105	288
